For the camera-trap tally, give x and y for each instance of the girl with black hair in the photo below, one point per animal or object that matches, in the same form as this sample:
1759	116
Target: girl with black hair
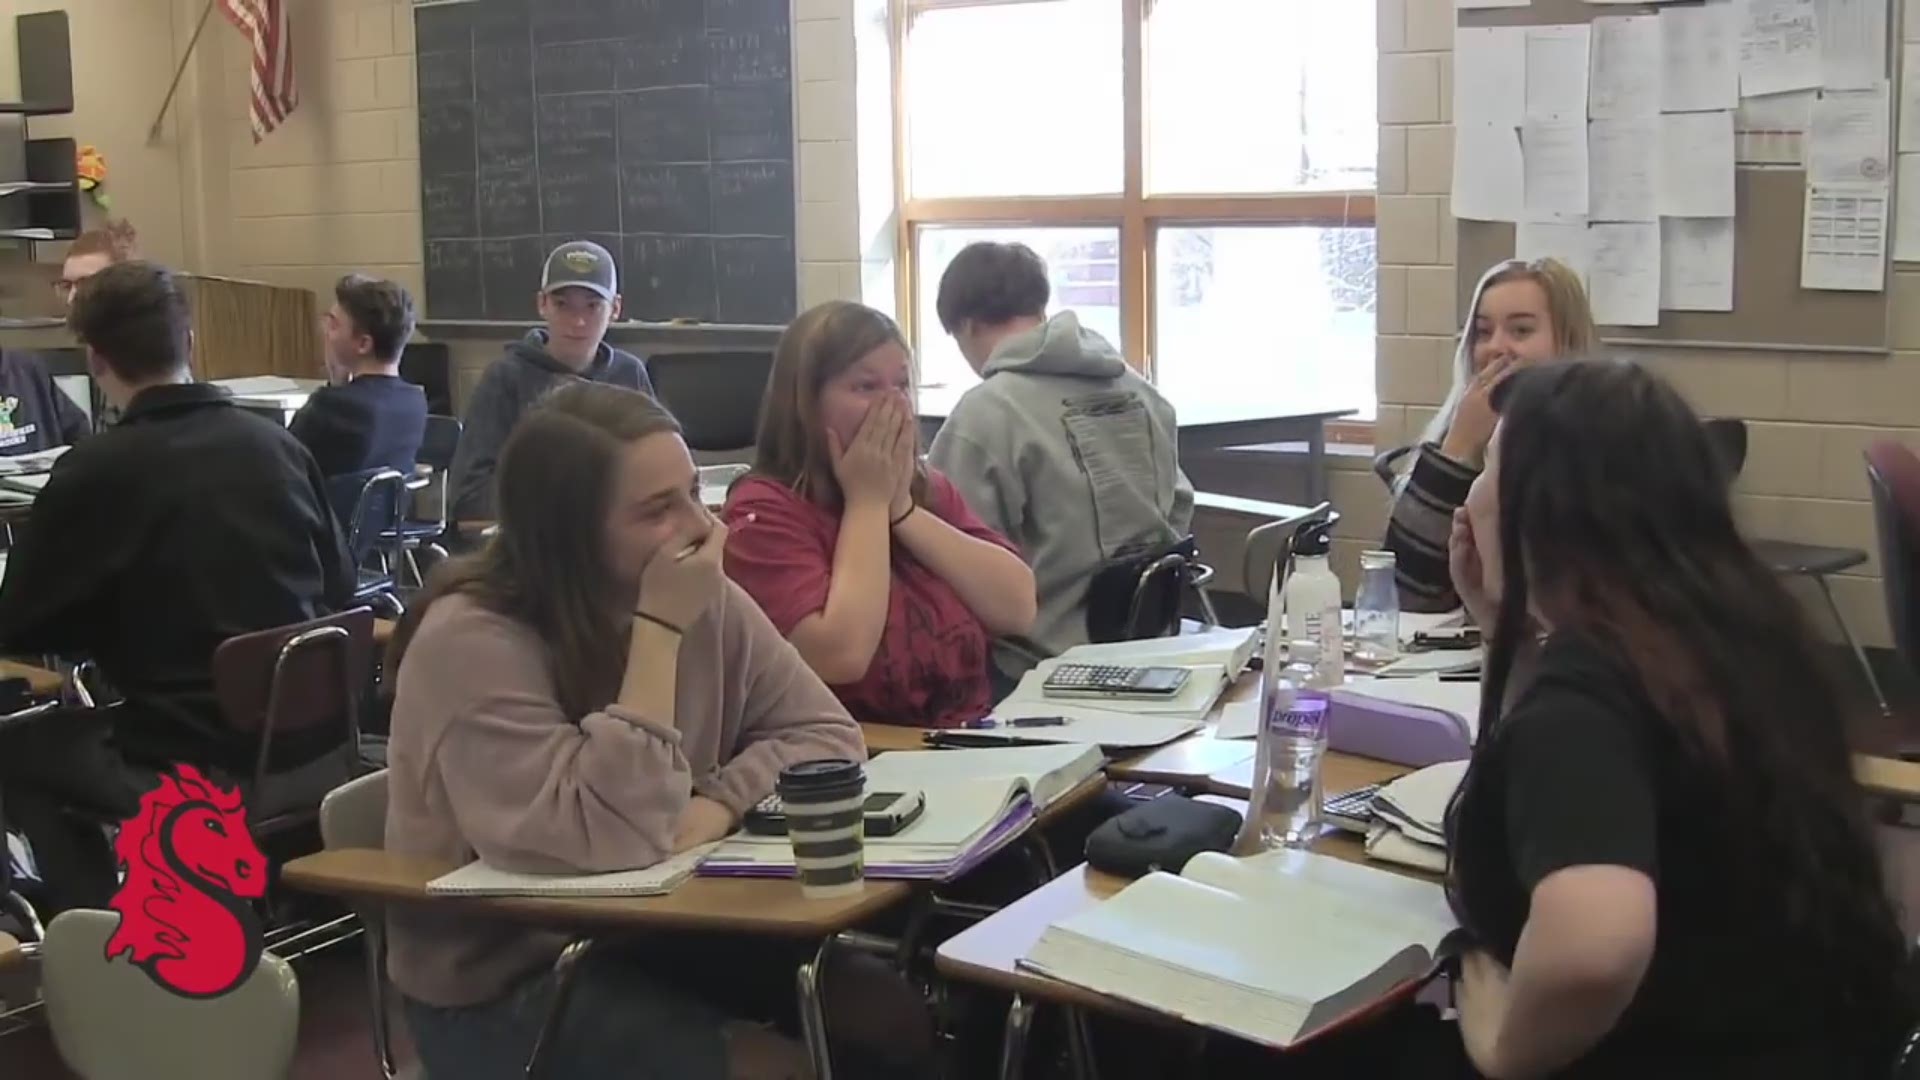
1659	850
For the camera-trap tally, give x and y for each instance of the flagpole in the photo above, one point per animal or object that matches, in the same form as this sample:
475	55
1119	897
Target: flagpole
153	133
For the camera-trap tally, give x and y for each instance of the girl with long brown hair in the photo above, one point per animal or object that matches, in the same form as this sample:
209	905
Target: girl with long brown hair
867	560
587	693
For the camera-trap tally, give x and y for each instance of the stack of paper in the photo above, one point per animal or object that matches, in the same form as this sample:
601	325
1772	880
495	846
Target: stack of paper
38	462
1411	817
479	879
978	801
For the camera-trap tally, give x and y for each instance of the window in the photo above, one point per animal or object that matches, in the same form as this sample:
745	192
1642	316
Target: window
1198	175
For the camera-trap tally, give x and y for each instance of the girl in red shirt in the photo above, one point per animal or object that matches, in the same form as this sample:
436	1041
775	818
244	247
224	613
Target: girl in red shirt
868	561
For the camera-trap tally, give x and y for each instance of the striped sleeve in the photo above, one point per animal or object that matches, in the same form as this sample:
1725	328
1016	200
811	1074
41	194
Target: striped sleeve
1421	523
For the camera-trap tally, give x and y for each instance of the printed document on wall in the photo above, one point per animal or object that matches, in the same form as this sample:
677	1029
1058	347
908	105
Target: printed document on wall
1490	75
1625	276
1844	242
1699	57
1557	71
1696	264
1565	241
1779	46
1910	94
1696	164
1848	140
1554	164
1489	177
1906	211
1623	165
1853	43
1772	130
1624	83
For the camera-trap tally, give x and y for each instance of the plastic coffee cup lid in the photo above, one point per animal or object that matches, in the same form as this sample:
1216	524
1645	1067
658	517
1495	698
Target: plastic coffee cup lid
824	773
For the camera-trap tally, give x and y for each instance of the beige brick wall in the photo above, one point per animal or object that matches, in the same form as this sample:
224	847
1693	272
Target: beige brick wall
1809	416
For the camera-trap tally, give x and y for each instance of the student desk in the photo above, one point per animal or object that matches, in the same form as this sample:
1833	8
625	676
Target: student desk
39	680
383	632
758	907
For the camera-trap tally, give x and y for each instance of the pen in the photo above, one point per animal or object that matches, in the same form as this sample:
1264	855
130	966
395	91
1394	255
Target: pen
1018	722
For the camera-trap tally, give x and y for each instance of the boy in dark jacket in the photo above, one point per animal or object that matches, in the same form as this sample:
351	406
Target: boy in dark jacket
579	297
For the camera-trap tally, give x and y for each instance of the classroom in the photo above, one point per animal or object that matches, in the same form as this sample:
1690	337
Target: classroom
971	538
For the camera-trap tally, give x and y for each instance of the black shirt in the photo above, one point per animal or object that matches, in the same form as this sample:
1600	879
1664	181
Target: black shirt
34	413
372	422
1583	770
190	522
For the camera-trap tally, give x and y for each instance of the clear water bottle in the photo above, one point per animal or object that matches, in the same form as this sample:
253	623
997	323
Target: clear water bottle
1376	609
1292	742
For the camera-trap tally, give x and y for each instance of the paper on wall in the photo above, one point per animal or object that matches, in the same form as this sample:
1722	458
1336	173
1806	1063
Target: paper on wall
1696	264
1906	212
1622	162
1772	130
1624	83
1910	94
1847	142
1554	163
1557	71
1626	273
1488	173
1699	57
1562	240
1490	75
1853	43
1844	236
1779	46
1912	31
1696	164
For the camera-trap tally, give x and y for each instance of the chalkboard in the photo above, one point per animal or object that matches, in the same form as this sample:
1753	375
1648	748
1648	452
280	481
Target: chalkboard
662	129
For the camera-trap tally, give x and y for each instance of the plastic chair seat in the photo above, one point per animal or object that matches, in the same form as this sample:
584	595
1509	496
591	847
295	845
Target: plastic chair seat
1806	560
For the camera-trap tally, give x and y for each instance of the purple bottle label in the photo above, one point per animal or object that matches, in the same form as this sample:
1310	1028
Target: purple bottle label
1307	718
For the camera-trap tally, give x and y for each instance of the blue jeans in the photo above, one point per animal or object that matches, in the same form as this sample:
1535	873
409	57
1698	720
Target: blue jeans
620	1021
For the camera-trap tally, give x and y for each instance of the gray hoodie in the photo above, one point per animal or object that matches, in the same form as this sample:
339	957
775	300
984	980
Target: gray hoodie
512	383
1073	457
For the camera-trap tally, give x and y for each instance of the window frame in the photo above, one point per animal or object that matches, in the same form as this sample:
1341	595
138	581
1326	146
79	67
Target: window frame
1137	214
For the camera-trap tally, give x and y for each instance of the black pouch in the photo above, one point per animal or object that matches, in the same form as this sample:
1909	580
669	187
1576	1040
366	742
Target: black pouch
1161	835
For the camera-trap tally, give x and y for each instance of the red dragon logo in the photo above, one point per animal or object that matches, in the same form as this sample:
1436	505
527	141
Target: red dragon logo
191	868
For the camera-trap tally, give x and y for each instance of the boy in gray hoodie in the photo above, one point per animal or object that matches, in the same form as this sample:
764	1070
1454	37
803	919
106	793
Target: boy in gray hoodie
579	297
1062	448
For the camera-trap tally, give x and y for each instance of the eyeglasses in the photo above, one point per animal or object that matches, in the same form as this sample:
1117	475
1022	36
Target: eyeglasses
64	288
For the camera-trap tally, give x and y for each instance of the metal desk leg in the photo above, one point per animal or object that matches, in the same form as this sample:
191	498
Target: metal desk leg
1013	1045
1317	464
813	1010
1080	1046
1859	654
563	976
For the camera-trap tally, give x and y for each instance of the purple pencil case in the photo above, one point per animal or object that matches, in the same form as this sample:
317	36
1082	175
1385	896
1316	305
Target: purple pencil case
1390	731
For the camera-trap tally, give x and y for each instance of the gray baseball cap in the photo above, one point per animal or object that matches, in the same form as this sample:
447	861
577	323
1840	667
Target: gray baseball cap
583	264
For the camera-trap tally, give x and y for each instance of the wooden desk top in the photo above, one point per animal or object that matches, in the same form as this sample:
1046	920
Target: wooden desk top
1888	777
881	738
383	631
10	951
767	907
39	680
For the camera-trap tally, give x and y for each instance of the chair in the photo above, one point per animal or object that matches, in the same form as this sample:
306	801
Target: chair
429	366
354	815
714	395
438	444
298	689
1893	475
1268	543
372	502
111	1022
1141	596
1788	558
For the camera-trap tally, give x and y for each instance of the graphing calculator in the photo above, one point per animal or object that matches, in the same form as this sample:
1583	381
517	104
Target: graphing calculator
1352	810
1114	681
887	812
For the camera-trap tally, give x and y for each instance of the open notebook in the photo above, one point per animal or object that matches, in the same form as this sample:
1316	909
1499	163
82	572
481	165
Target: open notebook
1111	722
1275	949
479	879
977	802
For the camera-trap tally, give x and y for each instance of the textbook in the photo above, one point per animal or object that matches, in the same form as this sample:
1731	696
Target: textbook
479	879
978	801
1113	722
1276	949
1232	649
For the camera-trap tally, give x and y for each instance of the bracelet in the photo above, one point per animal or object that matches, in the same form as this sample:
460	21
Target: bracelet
660	622
895	523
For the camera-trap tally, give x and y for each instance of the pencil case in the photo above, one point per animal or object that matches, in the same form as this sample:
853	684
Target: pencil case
1390	731
1161	835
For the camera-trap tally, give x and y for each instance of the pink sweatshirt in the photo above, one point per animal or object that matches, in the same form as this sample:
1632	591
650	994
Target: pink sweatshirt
484	763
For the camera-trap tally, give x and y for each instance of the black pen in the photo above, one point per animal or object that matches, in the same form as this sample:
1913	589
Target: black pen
1018	722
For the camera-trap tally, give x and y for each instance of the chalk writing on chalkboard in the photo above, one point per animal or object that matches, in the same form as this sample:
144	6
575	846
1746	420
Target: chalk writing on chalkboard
660	128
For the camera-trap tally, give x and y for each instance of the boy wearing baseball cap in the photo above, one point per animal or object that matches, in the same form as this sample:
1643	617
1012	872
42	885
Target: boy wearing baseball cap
579	296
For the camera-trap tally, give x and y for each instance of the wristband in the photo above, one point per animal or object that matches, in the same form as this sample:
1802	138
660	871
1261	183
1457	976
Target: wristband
895	523
660	622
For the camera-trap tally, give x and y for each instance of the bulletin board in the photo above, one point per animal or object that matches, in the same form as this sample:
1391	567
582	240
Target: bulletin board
1770	309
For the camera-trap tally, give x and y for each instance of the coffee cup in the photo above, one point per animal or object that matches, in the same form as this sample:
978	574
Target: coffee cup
823	801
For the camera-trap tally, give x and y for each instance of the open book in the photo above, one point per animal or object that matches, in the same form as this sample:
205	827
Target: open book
479	879
1276	949
977	802
1232	649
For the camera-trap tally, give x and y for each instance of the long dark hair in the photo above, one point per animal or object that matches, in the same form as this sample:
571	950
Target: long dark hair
545	566
1615	524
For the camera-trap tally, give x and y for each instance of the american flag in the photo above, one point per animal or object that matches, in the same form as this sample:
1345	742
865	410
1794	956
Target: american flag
266	26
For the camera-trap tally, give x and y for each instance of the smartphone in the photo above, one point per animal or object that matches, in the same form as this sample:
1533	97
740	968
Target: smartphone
887	813
1114	681
1457	637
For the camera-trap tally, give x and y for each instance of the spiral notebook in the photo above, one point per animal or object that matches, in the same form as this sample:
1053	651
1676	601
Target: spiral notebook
479	879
